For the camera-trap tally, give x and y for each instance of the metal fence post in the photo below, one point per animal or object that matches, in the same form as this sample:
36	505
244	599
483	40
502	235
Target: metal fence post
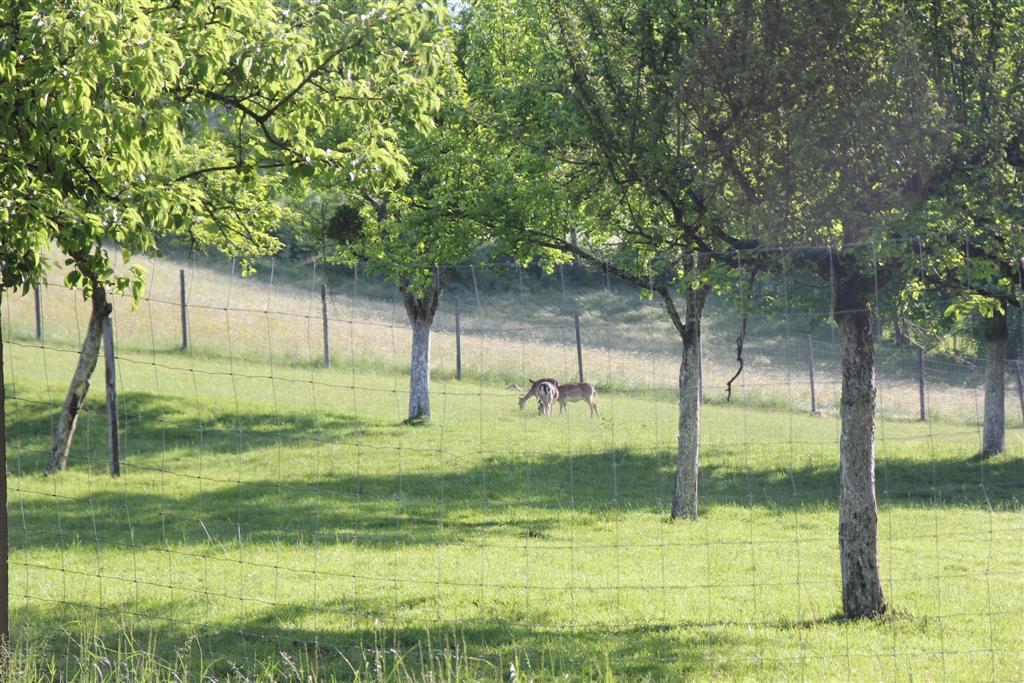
5	634
458	339
39	313
111	378
184	312
700	368
921	383
810	370
327	338
579	345
1020	387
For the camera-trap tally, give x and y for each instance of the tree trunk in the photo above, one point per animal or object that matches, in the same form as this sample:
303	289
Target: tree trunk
858	508
87	359
996	334
684	491
419	375
420	308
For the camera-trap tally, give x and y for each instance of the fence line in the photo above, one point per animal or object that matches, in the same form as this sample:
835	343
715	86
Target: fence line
816	348
270	493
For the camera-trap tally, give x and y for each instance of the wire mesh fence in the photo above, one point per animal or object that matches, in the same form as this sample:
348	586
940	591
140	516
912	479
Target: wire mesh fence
276	515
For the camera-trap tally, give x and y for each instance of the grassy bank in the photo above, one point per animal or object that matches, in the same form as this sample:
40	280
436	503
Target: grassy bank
276	519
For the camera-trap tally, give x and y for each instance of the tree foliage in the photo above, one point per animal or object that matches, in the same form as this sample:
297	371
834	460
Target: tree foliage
971	219
123	121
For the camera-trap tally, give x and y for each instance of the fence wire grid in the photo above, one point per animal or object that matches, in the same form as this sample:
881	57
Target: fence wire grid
273	509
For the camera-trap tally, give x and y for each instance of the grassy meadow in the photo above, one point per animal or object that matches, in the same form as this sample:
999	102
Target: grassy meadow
275	520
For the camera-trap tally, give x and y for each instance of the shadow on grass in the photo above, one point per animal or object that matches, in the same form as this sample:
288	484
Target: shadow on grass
151	424
202	478
276	639
496	499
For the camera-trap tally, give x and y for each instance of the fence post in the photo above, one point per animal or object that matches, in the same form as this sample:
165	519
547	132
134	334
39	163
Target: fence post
700	368
476	289
458	340
1020	387
39	313
184	312
108	356
4	623
920	382
579	345
327	339
810	370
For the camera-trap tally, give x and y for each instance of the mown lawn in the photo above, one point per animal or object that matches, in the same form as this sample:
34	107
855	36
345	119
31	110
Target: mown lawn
277	519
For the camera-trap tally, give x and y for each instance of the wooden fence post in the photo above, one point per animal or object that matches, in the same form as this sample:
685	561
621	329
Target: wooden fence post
810	370
184	312
458	340
327	338
39	313
921	383
579	345
111	378
1020	387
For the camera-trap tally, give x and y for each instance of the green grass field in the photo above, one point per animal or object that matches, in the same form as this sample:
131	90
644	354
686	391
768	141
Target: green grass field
277	520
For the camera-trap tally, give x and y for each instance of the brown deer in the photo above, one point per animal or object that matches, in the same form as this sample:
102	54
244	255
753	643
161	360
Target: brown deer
580	391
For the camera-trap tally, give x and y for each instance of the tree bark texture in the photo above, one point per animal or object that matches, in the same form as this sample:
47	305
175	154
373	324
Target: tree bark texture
87	360
858	508
421	309
684	490
994	436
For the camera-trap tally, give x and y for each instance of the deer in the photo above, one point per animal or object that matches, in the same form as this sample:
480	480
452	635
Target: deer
534	388
580	391
547	394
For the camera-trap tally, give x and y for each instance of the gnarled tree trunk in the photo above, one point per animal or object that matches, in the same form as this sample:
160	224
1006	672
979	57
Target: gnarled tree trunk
87	359
421	309
684	490
858	507
996	334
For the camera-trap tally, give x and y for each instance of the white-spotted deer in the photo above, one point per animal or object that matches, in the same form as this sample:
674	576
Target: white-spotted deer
580	391
534	388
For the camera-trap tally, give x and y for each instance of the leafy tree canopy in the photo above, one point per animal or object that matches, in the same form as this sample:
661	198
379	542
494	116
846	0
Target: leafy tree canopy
121	121
971	216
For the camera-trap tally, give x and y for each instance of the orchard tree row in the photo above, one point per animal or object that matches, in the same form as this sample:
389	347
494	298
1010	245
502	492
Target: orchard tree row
677	145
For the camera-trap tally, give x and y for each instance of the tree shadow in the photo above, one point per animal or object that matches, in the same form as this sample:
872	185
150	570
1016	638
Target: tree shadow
280	635
494	498
362	489
151	424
